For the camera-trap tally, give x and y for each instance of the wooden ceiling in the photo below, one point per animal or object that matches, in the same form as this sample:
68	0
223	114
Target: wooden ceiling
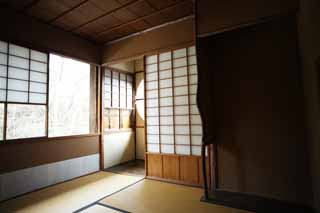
104	20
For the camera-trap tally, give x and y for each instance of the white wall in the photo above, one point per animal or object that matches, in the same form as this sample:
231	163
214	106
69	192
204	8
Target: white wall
27	180
119	147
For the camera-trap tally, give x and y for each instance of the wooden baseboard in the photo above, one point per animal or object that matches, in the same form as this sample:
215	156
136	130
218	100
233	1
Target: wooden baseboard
255	203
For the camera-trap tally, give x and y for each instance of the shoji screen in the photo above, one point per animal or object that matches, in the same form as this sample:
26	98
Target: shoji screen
173	124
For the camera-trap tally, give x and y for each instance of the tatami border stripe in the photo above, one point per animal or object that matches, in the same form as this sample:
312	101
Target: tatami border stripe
111	207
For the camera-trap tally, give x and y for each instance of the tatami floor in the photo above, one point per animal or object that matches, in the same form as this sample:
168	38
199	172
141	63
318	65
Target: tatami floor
109	192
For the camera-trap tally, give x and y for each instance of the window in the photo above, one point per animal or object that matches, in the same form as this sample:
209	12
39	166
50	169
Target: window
23	92
173	123
118	110
69	103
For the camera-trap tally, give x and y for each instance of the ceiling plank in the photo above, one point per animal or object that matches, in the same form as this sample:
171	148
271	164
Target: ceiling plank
68	11
142	18
107	13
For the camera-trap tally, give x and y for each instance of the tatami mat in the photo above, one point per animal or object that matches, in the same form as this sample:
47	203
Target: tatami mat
70	196
158	197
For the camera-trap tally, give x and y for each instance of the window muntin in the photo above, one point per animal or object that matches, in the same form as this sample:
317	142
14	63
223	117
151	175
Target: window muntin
118	98
1	121
173	124
69	104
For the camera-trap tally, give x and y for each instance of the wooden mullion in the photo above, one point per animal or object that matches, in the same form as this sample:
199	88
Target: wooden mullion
47	101
5	118
158	67
187	52
173	107
145	119
119	97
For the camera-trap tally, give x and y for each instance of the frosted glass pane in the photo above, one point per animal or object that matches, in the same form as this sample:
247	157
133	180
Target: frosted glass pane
3	83
152	120
180	62
196	150
107	72
166	111
38	98
3	59
181	100
193	99
39	56
18	73
38	66
182	71
182	139
18	62
165	65
196	129
18	51
129	101
165	74
152	76
115	75
107	88
181	120
123	84
193	79
152	94
152	85
166	101
151	68
181	110
2	95
167	139
165	56
192	60
181	81
3	71
38	87
165	83
166	92
166	120
25	121
153	138
193	89
107	80
153	148
192	50
196	140
152	129
3	47
166	130
183	130
18	85
152	111
180	53
181	90
194	110
193	69
182	150
195	119
152	103
14	96
151	59
123	77
129	78
167	149
123	101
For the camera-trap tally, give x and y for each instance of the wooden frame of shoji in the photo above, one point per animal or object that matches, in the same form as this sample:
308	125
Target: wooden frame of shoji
173	123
